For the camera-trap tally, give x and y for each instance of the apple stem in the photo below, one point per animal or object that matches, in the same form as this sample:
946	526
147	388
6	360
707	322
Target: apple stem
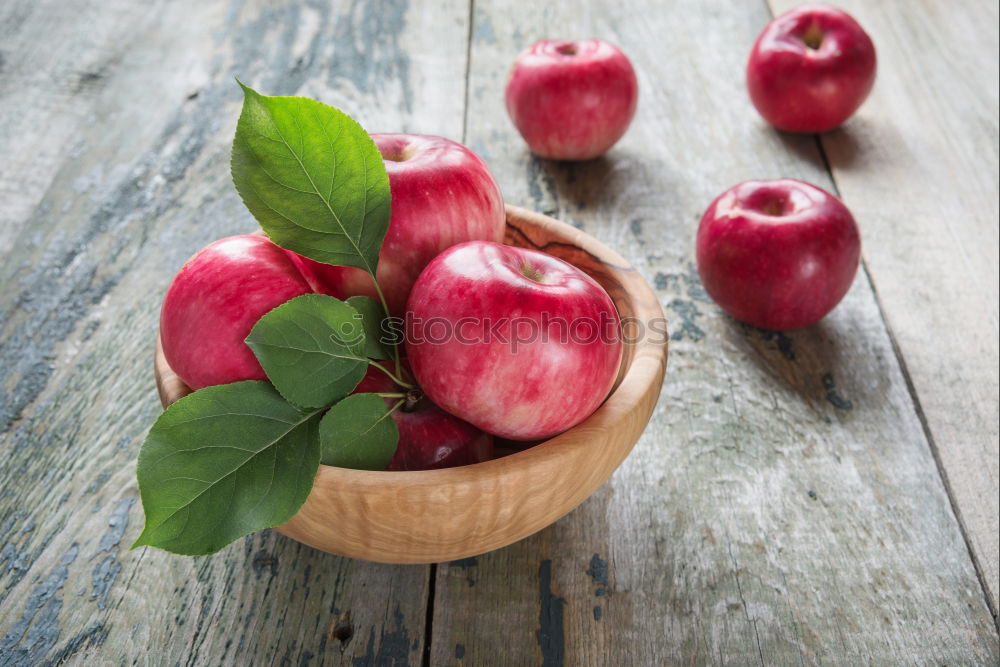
813	37
391	395
413	397
395	378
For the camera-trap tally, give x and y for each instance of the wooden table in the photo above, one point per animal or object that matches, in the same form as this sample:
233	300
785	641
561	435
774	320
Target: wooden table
823	496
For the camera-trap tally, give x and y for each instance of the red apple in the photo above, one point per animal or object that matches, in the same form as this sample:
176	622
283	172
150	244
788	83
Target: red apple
777	254
214	301
442	194
429	437
572	100
514	341
810	69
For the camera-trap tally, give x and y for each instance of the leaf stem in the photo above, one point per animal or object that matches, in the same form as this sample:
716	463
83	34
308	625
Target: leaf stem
385	307
391	395
396	379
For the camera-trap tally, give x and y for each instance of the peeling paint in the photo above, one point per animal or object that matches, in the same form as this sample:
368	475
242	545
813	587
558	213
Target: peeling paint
265	562
393	646
689	313
36	632
834	396
598	570
550	635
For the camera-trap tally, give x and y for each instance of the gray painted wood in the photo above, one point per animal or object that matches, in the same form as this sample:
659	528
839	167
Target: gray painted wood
115	124
784	506
932	242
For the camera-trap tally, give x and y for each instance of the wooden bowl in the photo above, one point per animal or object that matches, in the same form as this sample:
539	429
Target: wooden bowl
440	515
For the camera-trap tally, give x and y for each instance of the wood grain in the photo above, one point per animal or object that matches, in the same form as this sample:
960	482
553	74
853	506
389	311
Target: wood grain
436	515
931	238
783	507
116	119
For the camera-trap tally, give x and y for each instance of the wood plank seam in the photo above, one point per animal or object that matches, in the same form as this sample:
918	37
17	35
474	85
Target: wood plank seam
964	448
935	453
468	70
912	390
425	660
919	410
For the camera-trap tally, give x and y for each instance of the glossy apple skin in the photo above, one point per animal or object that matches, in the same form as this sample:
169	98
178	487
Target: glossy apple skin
572	100
798	88
429	437
215	300
532	390
777	254
442	194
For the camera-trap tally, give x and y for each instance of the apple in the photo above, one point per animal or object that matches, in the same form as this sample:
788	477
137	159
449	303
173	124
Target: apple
572	100
514	341
777	254
442	194
214	301
429	437
810	69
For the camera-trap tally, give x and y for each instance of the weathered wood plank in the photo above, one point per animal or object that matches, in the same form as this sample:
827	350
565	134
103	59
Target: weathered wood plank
115	123
932	242
784	506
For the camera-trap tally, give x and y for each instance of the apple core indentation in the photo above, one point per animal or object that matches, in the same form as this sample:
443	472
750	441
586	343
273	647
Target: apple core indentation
776	207
400	153
813	37
567	49
532	273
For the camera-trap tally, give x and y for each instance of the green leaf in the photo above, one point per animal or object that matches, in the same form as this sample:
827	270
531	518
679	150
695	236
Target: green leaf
222	463
313	178
312	349
359	432
372	316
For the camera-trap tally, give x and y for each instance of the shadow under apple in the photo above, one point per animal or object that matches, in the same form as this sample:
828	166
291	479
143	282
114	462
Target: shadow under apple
807	361
846	147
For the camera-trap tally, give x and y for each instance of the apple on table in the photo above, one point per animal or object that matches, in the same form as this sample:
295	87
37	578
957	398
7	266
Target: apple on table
572	100
810	69
777	254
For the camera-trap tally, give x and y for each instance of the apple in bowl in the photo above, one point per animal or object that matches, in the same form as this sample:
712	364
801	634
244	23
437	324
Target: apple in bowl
442	194
429	437
515	341
810	69
213	303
